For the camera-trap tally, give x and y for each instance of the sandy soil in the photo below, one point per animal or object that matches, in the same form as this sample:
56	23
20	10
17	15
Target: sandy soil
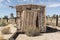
45	36
12	30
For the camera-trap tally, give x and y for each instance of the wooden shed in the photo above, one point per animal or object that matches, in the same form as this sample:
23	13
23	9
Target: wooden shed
30	16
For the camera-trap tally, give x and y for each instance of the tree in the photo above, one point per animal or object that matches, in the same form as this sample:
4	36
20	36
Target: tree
5	17
59	15
48	16
54	16
11	15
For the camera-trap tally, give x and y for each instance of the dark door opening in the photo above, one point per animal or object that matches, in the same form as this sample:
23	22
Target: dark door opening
37	21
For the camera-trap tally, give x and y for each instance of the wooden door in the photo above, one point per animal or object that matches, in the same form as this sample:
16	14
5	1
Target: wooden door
28	19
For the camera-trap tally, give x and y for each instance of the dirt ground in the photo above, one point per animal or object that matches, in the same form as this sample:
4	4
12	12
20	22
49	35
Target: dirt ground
45	36
53	34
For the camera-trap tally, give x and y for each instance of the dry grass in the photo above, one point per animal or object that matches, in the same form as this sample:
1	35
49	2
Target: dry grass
53	22
6	30
32	31
3	24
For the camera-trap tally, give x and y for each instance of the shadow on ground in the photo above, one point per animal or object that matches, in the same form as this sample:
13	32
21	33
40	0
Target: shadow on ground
48	30
51	30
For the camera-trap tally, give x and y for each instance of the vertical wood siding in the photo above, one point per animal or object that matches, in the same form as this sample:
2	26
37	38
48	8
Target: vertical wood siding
32	18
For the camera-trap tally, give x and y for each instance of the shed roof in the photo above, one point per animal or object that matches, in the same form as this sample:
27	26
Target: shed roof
30	5
23	5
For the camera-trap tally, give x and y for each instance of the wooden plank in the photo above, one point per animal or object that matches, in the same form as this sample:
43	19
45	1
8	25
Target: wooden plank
41	20
28	19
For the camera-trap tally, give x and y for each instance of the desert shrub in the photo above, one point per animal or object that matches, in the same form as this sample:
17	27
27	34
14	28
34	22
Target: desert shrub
47	23
3	24
15	25
6	30
32	31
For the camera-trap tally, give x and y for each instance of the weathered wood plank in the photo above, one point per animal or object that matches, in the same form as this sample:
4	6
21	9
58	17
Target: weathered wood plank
28	18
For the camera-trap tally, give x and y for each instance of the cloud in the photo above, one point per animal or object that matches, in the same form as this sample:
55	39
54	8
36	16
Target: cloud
24	0
2	6
28	0
21	0
9	1
54	5
1	0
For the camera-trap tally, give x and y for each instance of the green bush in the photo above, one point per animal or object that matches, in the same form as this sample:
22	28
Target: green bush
32	31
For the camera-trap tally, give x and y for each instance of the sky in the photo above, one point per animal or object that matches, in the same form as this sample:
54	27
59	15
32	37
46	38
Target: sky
52	6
